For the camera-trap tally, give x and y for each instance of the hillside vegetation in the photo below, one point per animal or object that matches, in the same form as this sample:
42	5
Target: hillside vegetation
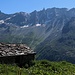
42	67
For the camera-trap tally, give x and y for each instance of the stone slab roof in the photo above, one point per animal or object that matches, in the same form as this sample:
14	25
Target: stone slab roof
14	49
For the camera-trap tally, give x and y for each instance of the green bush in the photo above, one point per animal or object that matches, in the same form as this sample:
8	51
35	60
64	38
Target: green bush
41	67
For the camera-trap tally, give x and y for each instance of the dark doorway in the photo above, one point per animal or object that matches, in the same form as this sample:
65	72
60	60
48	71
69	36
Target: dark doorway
17	59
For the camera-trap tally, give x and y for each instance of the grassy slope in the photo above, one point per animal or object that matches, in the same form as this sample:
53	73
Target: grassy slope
42	67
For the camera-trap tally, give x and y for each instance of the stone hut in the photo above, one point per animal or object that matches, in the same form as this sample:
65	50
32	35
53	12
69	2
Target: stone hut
19	54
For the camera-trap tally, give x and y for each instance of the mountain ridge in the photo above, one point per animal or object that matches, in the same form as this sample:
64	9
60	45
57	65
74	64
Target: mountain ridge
44	31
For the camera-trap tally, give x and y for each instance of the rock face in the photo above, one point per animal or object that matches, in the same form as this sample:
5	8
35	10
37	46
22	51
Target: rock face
62	48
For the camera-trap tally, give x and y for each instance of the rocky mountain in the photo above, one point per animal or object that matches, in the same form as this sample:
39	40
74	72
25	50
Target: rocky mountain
49	31
61	48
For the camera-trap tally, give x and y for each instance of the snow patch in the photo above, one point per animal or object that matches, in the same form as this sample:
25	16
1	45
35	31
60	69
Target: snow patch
68	9
14	15
25	26
8	18
38	25
1	21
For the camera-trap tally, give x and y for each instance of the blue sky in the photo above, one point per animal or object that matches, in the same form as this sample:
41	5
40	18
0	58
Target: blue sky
12	6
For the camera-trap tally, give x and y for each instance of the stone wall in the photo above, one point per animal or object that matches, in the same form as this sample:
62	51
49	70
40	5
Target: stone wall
20	60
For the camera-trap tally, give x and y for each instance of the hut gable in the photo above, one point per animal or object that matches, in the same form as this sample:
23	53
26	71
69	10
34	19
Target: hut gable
19	54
